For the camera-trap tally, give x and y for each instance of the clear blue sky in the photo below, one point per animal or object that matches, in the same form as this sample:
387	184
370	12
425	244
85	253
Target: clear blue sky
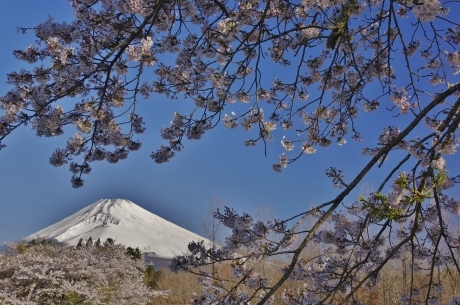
33	194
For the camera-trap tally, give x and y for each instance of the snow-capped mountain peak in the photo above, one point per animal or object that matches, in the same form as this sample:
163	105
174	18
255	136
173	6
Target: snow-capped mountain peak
126	223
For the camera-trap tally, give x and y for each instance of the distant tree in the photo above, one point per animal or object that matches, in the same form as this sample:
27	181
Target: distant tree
38	241
49	274
311	68
134	253
152	276
22	247
211	227
109	242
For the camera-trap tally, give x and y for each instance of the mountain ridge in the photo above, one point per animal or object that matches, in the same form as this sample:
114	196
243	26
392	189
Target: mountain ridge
126	223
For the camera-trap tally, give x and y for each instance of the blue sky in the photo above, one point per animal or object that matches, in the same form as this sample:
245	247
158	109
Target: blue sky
33	194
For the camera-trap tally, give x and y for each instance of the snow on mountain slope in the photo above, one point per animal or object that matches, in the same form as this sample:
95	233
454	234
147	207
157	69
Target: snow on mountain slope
125	222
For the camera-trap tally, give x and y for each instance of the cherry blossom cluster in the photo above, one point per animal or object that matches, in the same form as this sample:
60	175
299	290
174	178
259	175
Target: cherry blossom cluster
358	241
99	59
249	242
355	244
426	10
92	273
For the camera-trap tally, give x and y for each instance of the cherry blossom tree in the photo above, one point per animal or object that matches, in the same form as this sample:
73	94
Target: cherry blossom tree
339	60
93	274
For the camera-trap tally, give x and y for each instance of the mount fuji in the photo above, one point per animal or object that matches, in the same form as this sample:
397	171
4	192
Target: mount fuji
126	223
